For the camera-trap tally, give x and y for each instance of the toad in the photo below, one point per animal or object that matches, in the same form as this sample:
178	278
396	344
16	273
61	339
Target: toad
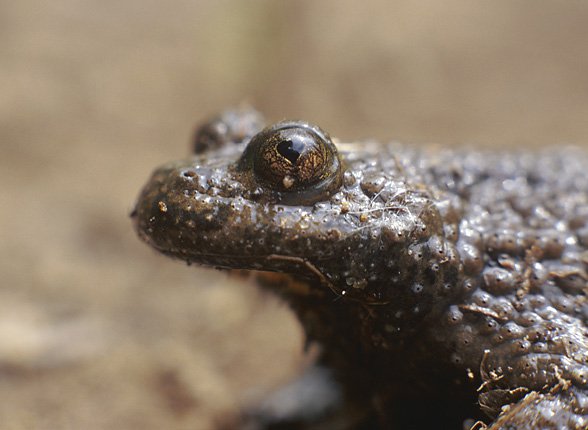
446	288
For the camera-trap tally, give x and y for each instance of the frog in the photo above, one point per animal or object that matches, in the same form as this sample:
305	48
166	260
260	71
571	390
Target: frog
443	287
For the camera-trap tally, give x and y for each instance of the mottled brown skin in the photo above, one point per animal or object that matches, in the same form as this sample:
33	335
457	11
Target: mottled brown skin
442	285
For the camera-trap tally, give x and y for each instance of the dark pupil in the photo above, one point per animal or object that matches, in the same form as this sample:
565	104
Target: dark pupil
290	150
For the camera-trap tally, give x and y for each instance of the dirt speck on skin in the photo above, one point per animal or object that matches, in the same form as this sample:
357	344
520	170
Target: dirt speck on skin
99	332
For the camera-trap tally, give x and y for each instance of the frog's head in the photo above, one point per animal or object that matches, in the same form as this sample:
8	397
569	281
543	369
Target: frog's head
286	199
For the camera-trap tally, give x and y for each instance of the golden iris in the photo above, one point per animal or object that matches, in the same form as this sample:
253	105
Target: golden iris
293	156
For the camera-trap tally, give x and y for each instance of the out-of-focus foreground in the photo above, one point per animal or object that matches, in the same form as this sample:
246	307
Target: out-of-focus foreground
96	331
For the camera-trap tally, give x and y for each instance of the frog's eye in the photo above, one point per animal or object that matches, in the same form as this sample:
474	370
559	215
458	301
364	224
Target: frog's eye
293	156
232	126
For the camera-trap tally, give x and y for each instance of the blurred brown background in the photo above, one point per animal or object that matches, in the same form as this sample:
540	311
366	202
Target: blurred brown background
96	331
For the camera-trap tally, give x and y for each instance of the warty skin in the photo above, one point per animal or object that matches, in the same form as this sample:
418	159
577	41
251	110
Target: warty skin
441	284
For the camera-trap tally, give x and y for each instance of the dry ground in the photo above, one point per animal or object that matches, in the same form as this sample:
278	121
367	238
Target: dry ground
98	332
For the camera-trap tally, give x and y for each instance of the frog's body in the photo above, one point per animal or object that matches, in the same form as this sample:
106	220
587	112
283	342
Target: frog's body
434	278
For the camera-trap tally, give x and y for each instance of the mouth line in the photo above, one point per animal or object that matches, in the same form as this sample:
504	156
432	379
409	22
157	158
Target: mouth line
306	269
257	257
